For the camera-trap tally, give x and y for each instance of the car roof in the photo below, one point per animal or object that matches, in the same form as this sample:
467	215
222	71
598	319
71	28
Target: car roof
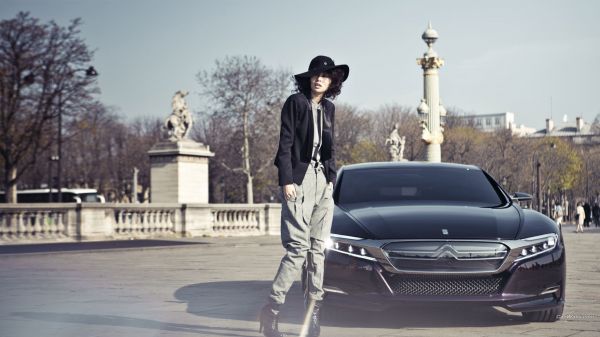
407	164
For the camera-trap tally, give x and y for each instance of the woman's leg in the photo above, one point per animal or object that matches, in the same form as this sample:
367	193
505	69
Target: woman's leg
320	228
295	237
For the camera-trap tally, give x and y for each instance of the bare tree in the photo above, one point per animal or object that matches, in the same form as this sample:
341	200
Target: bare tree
39	80
243	94
352	128
384	119
463	145
85	150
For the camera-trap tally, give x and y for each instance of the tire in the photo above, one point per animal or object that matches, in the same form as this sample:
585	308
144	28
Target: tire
550	315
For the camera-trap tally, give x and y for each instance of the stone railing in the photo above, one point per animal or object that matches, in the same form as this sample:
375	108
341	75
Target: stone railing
30	223
236	219
141	221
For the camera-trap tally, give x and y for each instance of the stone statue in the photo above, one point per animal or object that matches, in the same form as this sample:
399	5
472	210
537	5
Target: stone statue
396	145
402	142
179	122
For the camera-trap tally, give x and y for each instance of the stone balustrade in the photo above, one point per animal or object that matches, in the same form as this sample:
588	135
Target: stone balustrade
36	223
236	219
136	221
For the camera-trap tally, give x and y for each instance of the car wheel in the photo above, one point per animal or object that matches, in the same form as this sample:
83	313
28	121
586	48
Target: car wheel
550	315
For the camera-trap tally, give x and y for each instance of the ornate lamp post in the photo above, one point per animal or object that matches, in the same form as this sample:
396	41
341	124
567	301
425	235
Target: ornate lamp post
538	185
430	110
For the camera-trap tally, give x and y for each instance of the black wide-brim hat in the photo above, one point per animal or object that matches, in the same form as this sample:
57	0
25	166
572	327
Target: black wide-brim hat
321	64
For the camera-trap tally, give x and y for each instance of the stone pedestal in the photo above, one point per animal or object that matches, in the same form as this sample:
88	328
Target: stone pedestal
179	172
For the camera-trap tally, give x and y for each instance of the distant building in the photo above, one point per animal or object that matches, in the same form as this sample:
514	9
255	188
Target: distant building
495	122
578	133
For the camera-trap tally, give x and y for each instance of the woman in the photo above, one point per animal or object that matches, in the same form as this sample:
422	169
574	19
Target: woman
580	217
306	167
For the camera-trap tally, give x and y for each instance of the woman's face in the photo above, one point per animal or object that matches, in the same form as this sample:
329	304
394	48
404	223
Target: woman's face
320	83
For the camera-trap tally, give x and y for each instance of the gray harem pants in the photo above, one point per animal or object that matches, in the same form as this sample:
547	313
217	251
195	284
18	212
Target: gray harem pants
305	225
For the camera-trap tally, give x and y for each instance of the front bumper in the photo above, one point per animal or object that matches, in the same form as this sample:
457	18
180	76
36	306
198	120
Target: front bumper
528	285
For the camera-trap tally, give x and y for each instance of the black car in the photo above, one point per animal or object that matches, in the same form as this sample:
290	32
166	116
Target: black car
438	232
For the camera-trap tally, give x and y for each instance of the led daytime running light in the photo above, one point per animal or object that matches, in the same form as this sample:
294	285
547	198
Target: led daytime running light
542	246
348	249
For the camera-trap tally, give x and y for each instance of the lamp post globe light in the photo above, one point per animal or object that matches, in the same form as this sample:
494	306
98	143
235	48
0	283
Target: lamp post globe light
89	72
431	111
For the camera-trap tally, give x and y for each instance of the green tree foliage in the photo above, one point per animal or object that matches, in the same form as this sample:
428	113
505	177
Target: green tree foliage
561	164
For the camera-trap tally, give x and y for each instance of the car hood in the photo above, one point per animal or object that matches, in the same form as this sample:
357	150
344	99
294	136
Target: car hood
432	222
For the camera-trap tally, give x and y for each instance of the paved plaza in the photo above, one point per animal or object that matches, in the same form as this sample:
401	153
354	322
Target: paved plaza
216	286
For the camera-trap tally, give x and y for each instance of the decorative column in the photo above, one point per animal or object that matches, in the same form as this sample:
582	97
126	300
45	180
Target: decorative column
430	110
134	196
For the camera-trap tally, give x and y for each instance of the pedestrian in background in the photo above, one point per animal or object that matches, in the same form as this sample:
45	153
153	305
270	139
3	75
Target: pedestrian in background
588	214
580	217
557	214
306	167
596	214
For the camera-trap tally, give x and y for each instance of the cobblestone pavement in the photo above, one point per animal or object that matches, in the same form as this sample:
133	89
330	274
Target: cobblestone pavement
216	287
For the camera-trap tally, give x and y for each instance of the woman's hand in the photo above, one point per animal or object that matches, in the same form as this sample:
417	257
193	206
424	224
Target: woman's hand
289	192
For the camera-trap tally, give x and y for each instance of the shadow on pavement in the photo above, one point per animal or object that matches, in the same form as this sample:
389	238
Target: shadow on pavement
94	245
238	300
242	300
129	322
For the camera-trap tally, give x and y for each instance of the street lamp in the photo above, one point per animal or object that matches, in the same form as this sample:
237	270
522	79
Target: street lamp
538	164
52	158
89	72
538	187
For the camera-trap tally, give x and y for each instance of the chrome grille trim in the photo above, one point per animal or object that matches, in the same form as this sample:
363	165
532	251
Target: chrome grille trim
436	256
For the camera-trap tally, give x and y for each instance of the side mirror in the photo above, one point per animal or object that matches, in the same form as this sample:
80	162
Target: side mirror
520	196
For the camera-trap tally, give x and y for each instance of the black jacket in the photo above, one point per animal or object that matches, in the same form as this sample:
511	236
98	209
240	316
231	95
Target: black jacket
296	140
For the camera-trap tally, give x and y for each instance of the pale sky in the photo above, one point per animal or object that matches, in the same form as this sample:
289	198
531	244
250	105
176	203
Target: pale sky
500	56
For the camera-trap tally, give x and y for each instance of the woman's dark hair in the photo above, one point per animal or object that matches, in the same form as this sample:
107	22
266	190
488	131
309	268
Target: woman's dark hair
335	88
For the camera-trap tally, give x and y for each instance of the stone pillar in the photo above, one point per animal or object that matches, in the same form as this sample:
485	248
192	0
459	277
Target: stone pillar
92	222
198	220
273	219
430	109
179	172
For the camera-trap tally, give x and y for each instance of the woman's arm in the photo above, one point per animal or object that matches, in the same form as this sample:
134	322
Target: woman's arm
331	162
286	140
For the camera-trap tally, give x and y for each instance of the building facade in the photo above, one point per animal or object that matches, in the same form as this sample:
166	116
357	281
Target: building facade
580	133
498	121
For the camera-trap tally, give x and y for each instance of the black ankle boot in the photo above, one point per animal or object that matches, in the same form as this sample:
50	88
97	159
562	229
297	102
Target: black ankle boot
314	327
269	321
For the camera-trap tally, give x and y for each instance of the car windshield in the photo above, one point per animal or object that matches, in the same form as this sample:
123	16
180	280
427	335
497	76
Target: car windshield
423	185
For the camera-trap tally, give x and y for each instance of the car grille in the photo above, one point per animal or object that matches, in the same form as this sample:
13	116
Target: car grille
444	285
446	256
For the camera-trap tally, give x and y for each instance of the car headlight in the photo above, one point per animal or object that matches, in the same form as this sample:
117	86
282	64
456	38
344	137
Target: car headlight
348	245
537	245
